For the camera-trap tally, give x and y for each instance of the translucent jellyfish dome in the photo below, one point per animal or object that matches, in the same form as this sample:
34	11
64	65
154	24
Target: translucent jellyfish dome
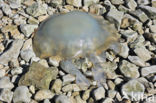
73	34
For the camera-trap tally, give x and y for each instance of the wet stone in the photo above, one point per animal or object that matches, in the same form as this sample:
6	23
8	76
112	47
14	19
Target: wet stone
39	76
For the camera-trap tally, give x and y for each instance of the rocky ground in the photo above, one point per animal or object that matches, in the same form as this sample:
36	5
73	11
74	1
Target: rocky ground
25	78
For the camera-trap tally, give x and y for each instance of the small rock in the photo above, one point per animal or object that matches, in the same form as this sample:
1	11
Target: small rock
68	79
138	26
111	85
151	36
143	2
56	87
15	3
124	50
123	8
79	100
151	11
46	101
56	3
115	16
133	89
32	89
6	9
43	62
117	2
1	14
28	29
99	93
89	2
118	81
21	94
12	53
77	3
109	68
36	9
71	87
108	100
97	9
62	99
153	28
131	4
2	73
39	76
111	93
130	35
129	70
5	83
154	3
137	61
20	20
118	97
140	14
32	20
16	71
139	42
6	95
43	94
148	70
143	53
86	94
54	61
27	54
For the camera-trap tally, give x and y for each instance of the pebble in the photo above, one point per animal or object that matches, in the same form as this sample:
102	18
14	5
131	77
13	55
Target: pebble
137	61
5	83
6	9
36	9
115	16
27	54
99	93
15	3
148	70
131	4
111	85
109	68
43	94
56	87
71	87
124	50
76	3
16	71
21	94
43	62
154	3
39	76
68	79
129	70
97	9
28	29
79	99
153	28
89	2
111	93
86	94
62	99
117	2
151	11
1	14
133	89
143	53
32	89
2	73
56	3
140	14
12	53
108	100
46	101
6	95
143	2
118	81
54	61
